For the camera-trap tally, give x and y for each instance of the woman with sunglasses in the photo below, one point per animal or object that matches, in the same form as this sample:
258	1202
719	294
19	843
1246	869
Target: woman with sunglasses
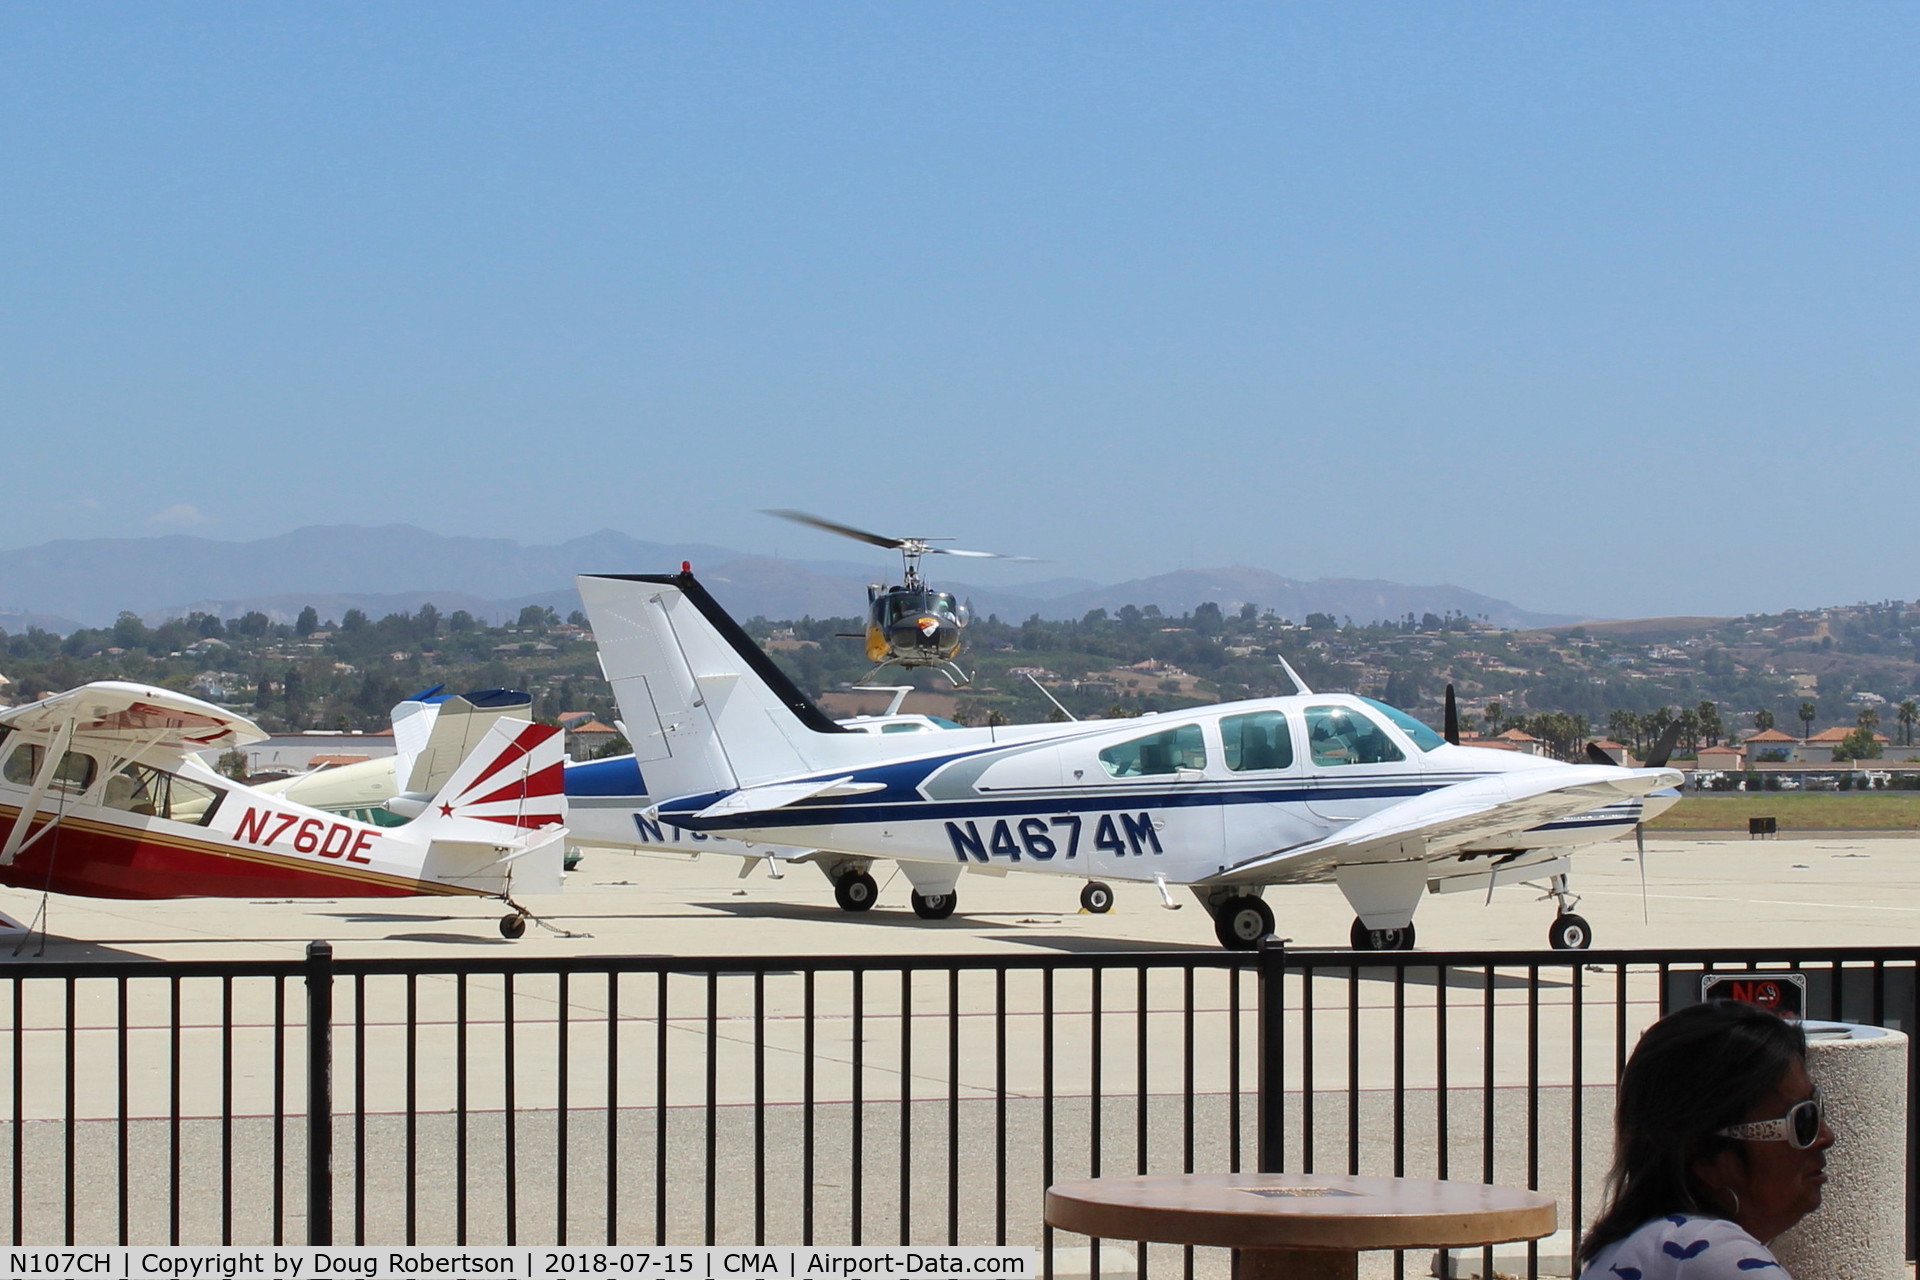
1719	1147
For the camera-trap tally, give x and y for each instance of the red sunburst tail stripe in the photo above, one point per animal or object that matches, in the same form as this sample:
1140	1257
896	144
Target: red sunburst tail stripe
547	782
530	821
523	743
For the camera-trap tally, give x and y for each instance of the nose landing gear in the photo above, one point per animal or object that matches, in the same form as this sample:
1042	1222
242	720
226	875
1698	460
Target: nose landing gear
1568	932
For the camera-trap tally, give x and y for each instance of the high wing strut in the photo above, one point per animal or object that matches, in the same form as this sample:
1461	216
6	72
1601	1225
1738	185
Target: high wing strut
30	807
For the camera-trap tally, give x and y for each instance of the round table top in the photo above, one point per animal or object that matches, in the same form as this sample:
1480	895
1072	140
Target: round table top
1298	1211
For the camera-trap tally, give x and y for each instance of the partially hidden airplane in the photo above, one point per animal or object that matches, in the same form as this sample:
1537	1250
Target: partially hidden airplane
1226	800
103	794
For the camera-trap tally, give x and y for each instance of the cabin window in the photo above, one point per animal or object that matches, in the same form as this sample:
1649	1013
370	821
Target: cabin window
1256	741
1164	752
1423	737
75	773
1343	735
155	793
912	727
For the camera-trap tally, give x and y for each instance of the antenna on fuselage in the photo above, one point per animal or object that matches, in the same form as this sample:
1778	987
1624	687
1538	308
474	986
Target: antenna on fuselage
1299	685
1045	693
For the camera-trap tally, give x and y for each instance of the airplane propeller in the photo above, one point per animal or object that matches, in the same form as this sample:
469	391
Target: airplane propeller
1452	730
1657	757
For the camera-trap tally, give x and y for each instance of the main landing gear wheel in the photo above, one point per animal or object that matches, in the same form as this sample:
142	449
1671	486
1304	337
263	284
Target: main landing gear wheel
855	891
1096	897
1365	939
934	906
1569	932
513	925
1241	922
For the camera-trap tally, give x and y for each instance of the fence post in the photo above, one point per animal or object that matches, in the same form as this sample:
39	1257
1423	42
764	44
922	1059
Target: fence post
319	1093
1272	1065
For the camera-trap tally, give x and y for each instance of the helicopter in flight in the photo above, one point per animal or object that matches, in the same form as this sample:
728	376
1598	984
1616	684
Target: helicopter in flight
909	625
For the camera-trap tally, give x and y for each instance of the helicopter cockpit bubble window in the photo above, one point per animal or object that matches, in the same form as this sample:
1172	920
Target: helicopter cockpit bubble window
1167	751
1423	737
1344	735
1256	741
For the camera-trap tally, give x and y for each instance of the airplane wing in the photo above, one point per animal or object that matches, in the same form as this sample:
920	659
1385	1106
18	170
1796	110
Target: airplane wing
1501	806
139	717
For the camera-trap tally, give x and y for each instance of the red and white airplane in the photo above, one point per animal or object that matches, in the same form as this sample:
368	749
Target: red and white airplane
103	794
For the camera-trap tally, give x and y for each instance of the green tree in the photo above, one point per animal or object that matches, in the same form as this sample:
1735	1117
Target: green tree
1762	720
307	623
1868	719
1808	713
1907	713
1860	744
353	620
1707	715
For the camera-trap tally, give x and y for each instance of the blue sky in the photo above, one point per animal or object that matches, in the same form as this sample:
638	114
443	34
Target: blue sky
1605	309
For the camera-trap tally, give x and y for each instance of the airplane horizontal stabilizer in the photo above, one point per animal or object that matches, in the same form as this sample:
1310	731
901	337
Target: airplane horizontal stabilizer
780	795
1496	807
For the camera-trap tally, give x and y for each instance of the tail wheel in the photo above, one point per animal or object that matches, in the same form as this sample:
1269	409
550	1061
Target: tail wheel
934	906
1241	922
1569	932
855	891
1096	897
513	925
1362	938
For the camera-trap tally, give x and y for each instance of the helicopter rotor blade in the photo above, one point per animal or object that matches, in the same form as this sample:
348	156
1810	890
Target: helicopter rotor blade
844	530
976	555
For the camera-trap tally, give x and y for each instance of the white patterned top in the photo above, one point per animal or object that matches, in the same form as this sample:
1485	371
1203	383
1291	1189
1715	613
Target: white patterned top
1685	1246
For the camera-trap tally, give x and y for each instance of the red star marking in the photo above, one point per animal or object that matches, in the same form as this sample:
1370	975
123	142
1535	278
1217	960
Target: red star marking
446	811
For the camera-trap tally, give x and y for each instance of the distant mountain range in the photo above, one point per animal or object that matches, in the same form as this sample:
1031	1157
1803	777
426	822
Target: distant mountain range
63	585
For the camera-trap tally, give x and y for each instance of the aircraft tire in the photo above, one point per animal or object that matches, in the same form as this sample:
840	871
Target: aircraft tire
1097	897
513	925
1569	932
1241	922
1362	938
855	891
935	906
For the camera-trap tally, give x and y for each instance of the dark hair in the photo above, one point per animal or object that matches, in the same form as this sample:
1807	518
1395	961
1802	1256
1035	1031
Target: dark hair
1696	1070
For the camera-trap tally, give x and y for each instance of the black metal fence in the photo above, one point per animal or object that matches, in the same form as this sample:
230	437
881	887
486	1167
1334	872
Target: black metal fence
920	1099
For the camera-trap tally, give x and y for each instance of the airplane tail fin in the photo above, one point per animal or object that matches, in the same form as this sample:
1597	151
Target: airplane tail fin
498	825
703	706
433	732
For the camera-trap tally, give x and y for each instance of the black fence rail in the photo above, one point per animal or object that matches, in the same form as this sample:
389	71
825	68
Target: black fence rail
923	1099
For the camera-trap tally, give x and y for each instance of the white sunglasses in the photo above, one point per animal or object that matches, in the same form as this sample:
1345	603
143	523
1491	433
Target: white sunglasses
1800	1127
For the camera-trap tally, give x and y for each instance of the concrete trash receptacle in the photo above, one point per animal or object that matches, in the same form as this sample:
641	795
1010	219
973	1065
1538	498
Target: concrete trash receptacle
1860	1230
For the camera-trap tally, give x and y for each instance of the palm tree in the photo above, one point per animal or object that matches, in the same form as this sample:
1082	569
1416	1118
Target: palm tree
1762	720
1808	714
1907	713
1868	719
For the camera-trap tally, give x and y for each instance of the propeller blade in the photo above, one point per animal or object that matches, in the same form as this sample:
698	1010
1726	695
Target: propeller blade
844	530
1640	843
1596	756
1662	749
1452	731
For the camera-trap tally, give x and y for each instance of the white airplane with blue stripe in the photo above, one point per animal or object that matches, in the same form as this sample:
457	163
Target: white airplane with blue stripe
1226	800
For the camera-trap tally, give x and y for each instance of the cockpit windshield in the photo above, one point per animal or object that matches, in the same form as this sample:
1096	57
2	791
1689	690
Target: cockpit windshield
1423	737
